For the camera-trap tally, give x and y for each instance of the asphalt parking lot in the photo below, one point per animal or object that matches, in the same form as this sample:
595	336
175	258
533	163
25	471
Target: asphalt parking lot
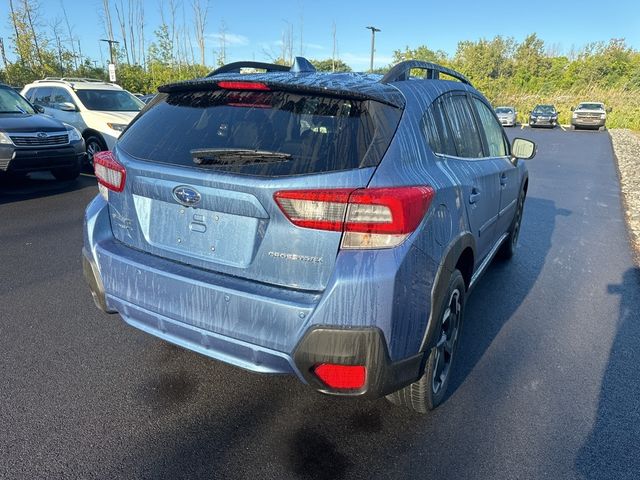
547	384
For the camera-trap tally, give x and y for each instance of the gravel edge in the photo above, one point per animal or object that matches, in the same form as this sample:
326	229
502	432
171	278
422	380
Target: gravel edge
626	148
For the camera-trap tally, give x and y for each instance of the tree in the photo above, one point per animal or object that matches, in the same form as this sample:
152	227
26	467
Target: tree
200	12
530	61
422	53
331	65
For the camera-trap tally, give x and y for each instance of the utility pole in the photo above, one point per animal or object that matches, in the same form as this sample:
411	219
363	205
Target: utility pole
112	65
110	42
373	44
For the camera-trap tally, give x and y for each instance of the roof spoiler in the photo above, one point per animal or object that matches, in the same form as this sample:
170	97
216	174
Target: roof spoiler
300	65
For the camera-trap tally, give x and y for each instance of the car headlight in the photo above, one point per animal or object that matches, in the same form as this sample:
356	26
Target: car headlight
4	139
603	116
575	115
119	127
73	132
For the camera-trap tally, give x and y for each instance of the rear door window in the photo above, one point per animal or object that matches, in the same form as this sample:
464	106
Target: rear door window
264	133
437	130
466	135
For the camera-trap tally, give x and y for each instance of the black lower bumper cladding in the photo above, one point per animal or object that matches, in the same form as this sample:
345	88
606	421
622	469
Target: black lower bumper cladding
358	346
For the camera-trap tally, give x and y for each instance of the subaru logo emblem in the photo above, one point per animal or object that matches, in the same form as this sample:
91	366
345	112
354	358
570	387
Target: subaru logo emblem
41	135
186	196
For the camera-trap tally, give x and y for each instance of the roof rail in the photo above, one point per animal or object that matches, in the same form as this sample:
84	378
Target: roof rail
71	79
402	70
300	65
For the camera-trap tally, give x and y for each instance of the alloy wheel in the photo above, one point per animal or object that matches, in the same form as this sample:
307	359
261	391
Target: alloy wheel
445	347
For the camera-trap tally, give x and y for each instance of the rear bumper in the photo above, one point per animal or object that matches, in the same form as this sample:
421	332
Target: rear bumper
14	159
257	327
363	346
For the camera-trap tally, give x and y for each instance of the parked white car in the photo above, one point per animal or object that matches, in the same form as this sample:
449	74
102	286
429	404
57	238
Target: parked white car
99	110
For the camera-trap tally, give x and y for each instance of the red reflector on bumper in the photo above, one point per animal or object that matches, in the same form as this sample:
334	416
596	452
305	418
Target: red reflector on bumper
344	377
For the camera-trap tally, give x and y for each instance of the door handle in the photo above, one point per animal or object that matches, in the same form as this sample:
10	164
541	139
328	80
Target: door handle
503	179
473	197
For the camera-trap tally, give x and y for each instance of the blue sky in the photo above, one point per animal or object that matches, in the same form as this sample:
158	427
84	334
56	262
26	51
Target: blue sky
254	27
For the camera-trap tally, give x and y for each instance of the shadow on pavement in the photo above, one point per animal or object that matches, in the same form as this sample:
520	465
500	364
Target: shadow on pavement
38	185
504	286
253	426
612	449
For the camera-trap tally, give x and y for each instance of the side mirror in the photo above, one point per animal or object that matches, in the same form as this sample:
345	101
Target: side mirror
38	108
572	109
523	149
609	110
67	107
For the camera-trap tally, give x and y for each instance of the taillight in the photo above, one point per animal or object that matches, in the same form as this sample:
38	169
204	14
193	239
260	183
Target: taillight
109	172
235	85
369	217
341	377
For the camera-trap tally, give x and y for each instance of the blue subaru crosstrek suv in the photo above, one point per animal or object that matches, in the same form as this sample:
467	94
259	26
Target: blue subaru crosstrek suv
324	225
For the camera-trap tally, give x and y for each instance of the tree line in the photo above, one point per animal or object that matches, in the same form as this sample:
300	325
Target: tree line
504	69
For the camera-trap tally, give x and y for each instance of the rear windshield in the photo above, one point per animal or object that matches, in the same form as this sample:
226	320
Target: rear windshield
264	133
109	100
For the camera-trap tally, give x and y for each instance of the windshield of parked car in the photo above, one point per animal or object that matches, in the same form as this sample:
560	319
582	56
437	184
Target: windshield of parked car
544	109
109	100
590	106
12	102
262	133
504	110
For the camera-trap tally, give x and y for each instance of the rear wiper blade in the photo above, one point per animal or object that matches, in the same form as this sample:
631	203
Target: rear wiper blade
236	156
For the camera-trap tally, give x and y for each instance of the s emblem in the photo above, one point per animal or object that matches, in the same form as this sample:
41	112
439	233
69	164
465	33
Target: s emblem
186	196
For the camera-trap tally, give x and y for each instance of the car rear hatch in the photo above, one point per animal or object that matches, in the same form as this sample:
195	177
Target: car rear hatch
203	166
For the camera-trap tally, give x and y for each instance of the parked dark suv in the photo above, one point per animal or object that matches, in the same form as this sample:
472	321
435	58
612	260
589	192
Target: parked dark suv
30	141
328	226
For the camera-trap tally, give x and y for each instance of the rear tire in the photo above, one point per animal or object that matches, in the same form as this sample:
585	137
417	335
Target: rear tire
508	247
430	389
66	174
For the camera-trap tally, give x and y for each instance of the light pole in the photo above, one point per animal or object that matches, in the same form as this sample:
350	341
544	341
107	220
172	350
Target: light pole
373	43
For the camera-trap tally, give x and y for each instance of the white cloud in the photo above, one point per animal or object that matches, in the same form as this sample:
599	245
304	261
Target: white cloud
313	46
231	39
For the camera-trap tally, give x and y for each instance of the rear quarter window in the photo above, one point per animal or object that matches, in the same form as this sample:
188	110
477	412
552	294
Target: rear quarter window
316	134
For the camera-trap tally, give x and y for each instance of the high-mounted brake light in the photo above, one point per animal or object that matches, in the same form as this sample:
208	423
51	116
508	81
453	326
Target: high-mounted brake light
109	172
341	377
369	217
234	85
